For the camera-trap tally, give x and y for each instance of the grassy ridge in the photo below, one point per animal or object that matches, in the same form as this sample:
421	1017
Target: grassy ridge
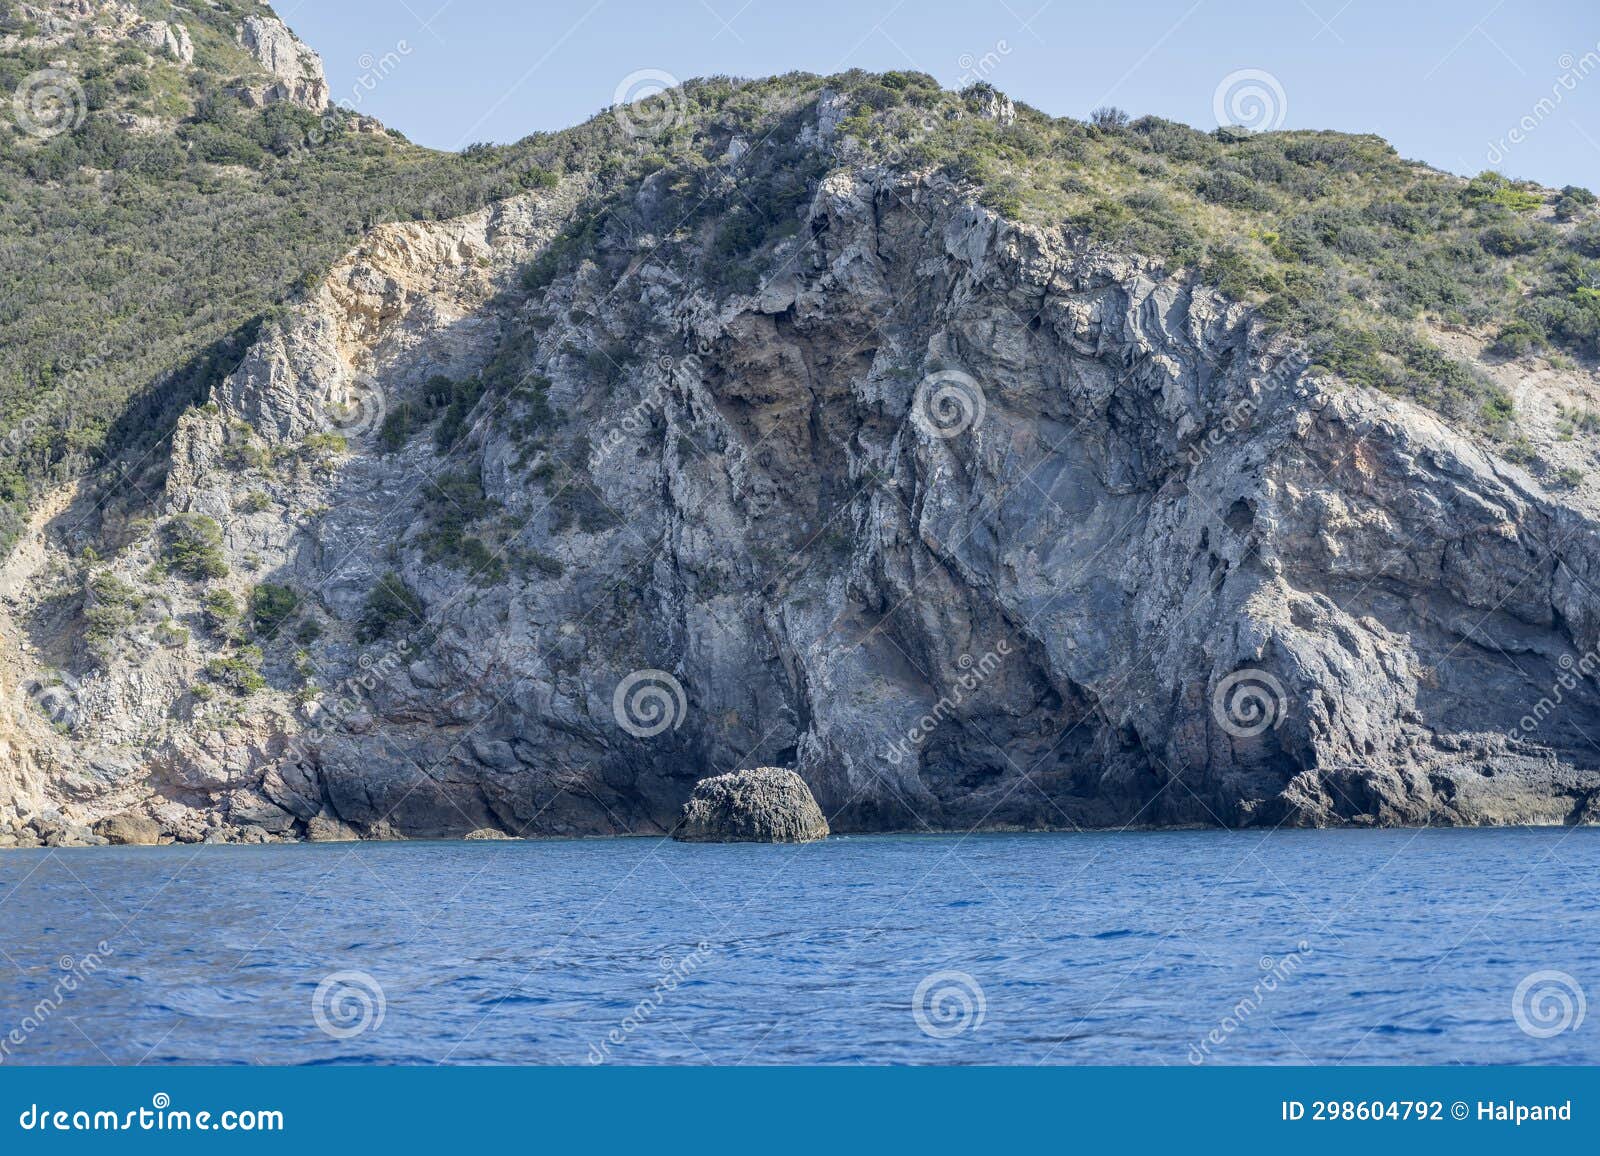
135	264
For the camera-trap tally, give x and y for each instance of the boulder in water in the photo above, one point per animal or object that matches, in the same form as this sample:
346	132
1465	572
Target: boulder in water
762	805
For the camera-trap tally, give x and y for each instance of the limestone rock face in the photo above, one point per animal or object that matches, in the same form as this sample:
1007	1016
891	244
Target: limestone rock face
969	523
326	829
763	805
297	68
161	36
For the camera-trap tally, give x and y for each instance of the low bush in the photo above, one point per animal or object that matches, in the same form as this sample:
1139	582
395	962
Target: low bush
193	546
271	606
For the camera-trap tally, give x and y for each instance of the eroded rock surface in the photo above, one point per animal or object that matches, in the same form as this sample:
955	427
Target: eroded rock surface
298	69
129	829
970	524
762	805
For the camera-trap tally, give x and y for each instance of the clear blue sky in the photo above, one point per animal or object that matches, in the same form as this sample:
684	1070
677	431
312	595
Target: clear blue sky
1445	82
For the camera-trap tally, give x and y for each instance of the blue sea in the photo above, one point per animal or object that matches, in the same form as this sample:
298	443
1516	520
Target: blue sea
1173	948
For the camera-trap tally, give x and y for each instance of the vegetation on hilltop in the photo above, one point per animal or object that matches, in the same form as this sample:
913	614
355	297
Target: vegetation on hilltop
138	262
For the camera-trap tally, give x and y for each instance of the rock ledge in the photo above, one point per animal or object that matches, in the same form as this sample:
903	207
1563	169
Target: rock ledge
763	805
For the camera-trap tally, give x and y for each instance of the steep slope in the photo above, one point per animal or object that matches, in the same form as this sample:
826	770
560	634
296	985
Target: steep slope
989	469
972	522
169	175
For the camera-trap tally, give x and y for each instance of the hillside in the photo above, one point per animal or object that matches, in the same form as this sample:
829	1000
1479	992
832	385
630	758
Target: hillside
352	483
182	196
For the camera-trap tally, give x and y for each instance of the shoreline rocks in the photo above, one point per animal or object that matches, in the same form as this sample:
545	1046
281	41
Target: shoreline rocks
129	829
761	805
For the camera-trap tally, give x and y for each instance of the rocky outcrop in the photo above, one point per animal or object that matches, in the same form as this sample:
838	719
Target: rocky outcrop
298	69
129	829
161	36
763	805
50	828
971	524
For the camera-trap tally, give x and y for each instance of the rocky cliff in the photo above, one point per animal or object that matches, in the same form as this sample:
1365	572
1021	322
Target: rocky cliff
973	523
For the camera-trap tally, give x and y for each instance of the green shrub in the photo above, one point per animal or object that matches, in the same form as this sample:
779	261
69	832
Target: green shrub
1574	199
397	427
271	606
391	607
1490	188
193	546
103	625
324	448
540	563
1507	240
105	588
221	609
239	672
464	395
